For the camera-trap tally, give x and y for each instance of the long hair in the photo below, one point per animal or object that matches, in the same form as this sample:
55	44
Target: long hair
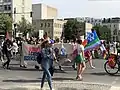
44	44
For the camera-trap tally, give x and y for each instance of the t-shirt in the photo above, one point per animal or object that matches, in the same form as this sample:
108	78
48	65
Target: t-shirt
80	49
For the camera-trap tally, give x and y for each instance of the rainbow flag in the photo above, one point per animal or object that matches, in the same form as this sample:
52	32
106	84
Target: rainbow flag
93	40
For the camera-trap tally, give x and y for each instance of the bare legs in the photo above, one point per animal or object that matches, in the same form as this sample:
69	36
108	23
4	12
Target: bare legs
80	70
91	62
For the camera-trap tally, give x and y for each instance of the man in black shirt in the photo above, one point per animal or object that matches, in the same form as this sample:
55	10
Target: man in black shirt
7	51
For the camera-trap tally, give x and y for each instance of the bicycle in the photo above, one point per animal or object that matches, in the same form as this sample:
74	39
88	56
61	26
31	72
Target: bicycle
113	63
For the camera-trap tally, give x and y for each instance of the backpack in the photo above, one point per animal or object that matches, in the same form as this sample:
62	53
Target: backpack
39	58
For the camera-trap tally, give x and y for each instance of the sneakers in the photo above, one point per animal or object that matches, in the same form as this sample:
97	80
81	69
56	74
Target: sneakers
92	67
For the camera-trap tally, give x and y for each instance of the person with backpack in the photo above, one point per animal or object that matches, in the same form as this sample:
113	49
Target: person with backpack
46	63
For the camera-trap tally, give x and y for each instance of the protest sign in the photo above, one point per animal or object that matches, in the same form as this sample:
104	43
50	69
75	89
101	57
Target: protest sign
29	52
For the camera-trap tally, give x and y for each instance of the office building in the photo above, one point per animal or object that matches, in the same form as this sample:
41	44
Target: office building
42	11
53	27
17	9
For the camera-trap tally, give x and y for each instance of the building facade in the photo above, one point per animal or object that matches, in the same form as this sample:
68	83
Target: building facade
53	27
114	25
93	21
17	9
42	11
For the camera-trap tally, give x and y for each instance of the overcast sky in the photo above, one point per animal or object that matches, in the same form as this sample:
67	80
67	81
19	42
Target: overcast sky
83	8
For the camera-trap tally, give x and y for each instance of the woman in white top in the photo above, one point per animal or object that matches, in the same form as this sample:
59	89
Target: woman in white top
80	60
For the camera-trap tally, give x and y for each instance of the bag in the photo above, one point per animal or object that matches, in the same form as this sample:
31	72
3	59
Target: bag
39	58
52	70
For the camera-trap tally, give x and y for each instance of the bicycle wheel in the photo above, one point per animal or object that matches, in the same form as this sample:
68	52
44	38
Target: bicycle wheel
111	70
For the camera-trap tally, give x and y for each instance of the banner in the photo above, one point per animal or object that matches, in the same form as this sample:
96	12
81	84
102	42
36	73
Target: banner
29	52
67	46
93	40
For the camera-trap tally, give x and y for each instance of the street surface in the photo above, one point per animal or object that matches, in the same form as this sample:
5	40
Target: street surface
31	77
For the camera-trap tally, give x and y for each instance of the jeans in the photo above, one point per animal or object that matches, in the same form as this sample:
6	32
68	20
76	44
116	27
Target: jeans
46	72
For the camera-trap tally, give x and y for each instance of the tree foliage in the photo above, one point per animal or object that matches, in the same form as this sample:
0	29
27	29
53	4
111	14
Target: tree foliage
5	23
72	29
24	26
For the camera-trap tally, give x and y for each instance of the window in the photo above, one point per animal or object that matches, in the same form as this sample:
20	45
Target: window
9	0
9	7
1	8
45	25
48	24
115	32
5	7
41	24
114	25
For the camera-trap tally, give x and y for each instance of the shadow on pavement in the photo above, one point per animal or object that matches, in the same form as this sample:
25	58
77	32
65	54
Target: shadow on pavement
100	74
104	73
15	64
35	81
23	69
67	88
62	79
22	81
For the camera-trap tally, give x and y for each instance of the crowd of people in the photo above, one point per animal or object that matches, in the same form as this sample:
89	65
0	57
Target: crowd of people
10	49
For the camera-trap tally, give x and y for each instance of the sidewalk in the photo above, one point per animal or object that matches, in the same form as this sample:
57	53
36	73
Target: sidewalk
65	85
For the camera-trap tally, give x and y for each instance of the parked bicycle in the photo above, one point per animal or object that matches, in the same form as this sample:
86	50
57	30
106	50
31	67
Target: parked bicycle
112	65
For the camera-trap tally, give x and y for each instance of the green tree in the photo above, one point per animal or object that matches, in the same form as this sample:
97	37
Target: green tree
72	29
105	33
5	23
24	26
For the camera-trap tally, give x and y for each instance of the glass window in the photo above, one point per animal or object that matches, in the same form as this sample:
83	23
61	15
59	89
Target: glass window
48	24
9	7
5	7
45	25
41	24
9	0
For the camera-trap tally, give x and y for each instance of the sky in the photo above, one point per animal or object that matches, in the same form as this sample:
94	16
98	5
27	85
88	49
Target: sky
84	8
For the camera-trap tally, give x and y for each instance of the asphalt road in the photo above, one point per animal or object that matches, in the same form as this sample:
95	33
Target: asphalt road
20	76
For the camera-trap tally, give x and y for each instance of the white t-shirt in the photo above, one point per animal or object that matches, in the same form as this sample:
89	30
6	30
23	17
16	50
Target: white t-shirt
15	47
80	49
